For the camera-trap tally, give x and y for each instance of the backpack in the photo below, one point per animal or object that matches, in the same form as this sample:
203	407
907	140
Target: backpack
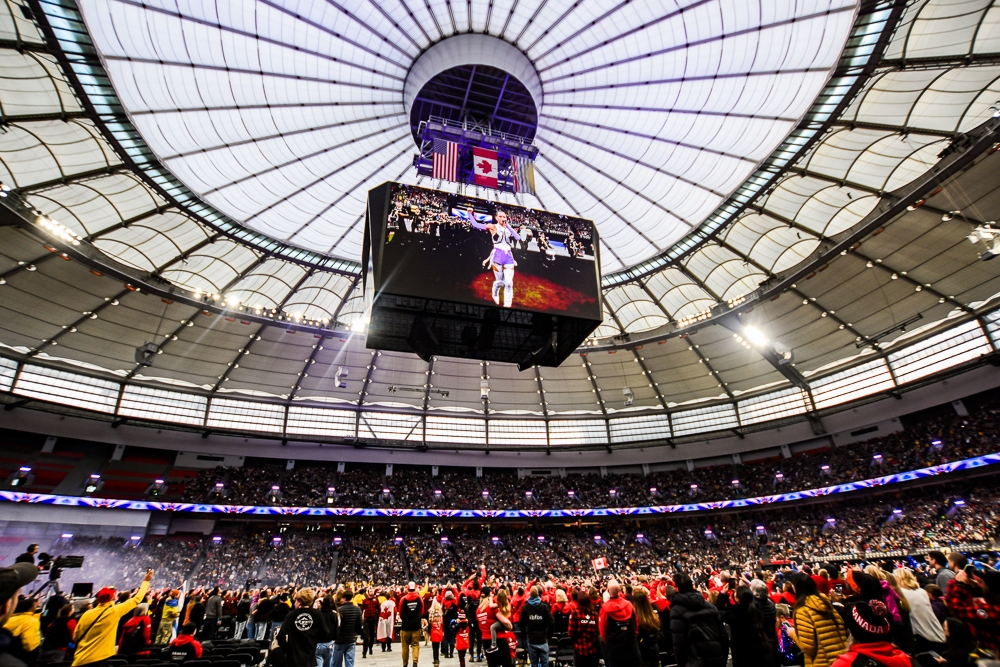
133	639
707	640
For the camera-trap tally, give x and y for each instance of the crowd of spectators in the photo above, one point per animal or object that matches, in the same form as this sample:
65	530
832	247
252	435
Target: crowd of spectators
933	440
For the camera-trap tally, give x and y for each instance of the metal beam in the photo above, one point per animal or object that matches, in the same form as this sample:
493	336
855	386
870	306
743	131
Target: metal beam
941	62
368	379
896	129
184	255
234	364
23	266
71	328
503	88
167	339
593	384
71	178
21	47
649	375
468	88
125	224
41	117
919	287
714	373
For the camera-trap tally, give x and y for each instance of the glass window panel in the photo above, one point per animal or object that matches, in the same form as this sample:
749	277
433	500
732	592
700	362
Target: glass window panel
578	432
384	426
937	353
776	405
67	388
517	432
851	384
637	429
705	420
325	422
171	406
245	415
457	430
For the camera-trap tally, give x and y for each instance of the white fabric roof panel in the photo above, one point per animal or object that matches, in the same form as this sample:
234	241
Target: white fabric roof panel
216	90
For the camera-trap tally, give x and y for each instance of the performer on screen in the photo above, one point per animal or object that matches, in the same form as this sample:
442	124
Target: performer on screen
501	260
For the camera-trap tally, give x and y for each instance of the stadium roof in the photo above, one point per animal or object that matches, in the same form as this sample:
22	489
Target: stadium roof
198	150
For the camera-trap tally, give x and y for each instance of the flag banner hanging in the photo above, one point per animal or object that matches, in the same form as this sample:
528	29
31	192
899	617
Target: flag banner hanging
445	160
522	172
485	167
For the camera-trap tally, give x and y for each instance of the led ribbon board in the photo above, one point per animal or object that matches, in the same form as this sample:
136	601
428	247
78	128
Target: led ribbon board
199	508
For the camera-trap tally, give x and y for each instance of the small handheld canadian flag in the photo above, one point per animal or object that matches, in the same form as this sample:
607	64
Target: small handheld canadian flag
600	563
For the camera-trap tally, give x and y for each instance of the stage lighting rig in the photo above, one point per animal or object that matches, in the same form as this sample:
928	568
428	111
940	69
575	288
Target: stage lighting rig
144	354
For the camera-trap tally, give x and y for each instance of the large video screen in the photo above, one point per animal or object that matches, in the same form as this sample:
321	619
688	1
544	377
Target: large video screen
452	247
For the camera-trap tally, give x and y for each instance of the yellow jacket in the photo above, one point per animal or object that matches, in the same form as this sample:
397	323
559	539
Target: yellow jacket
99	642
819	631
26	627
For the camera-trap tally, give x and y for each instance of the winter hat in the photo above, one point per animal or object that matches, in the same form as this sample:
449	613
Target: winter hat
461	615
412	586
868	622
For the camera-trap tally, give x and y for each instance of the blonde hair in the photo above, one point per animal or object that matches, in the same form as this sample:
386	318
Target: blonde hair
503	602
906	579
306	596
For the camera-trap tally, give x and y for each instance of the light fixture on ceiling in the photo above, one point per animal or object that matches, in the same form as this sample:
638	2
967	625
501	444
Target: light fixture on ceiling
755	336
949	216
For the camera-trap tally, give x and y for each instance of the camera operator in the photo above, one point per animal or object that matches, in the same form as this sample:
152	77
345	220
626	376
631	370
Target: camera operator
11	581
96	631
29	555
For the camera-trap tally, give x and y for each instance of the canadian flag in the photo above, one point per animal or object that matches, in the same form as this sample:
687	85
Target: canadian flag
484	163
600	563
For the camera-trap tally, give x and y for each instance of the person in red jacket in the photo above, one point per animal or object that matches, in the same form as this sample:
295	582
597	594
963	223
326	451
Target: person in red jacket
976	600
462	638
135	633
619	629
871	630
185	647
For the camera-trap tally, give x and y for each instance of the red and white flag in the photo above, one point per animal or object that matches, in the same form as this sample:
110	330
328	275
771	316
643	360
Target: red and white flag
484	163
445	160
600	563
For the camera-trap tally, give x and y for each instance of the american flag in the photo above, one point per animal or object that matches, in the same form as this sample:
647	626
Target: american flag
445	160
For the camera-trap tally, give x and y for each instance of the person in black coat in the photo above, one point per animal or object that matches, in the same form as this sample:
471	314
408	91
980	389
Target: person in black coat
768	613
750	642
696	628
352	626
302	629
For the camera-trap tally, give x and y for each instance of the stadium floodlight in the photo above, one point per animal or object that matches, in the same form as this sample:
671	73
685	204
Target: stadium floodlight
897	511
755	336
736	483
94	483
217	540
